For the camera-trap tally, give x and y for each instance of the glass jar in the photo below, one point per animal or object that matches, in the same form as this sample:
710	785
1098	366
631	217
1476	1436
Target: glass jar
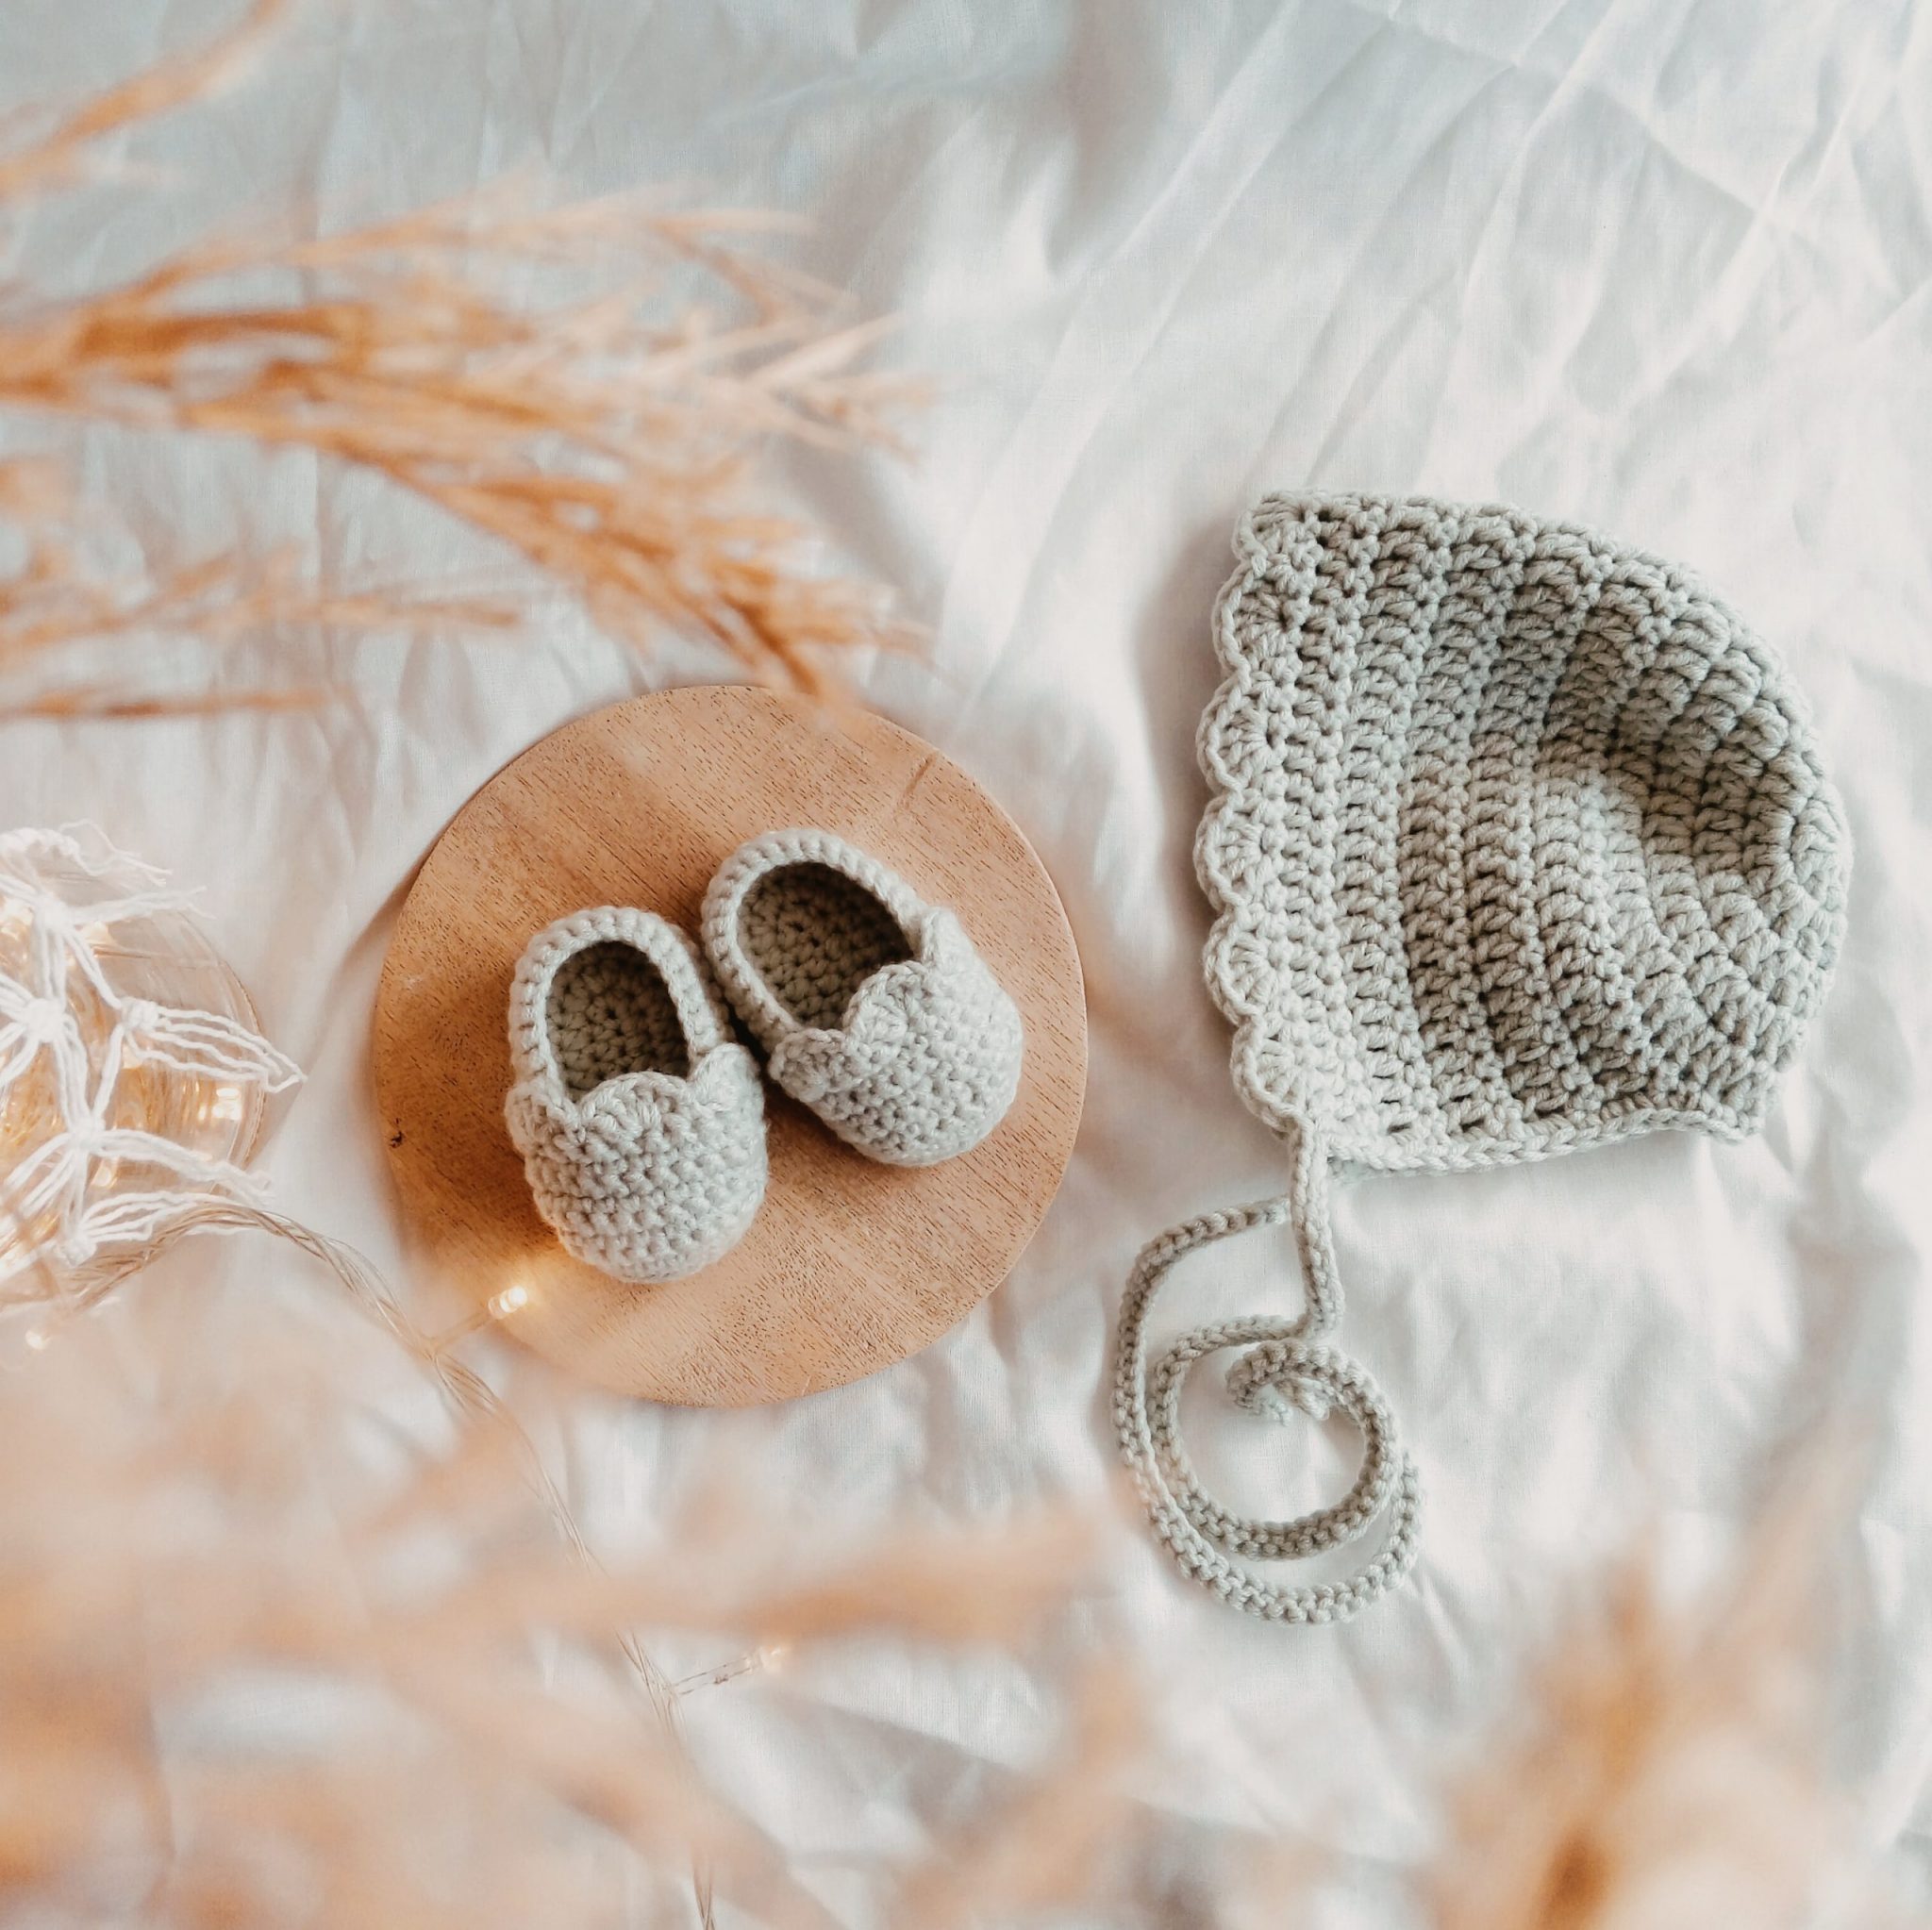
164	955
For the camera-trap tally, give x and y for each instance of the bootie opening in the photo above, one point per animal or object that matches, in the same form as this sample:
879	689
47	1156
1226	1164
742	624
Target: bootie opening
815	936
611	1013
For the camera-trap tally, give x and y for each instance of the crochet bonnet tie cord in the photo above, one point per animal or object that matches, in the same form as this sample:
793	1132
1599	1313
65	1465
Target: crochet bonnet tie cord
1284	1368
1519	843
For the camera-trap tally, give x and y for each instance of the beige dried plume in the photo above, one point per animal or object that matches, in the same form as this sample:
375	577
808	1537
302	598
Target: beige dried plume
250	1681
607	436
1669	1768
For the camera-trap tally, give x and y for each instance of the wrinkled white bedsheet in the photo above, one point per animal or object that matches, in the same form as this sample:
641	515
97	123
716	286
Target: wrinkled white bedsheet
1658	266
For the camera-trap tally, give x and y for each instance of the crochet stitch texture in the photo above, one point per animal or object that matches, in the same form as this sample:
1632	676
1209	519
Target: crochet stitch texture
639	1117
1519	843
874	1006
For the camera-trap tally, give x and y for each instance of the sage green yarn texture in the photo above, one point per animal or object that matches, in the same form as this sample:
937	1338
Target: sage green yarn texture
639	1117
875	1009
1519	842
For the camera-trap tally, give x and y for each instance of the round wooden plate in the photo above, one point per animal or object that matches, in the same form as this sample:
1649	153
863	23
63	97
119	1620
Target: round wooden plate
850	1265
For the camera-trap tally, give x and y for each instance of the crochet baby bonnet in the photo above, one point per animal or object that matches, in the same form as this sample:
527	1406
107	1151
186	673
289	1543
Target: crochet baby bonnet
1520	843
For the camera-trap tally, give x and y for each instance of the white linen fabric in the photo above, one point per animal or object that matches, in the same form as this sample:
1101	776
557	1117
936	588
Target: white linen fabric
1653	267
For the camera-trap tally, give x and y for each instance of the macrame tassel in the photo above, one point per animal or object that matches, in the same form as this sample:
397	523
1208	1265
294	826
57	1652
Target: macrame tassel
60	1185
204	1044
1285	1370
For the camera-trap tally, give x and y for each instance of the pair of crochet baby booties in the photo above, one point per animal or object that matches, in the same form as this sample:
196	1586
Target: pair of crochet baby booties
640	1116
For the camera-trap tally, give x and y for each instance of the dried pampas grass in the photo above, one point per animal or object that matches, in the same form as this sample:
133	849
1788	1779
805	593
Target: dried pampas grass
1051	1844
606	436
247	1682
52	598
1669	1768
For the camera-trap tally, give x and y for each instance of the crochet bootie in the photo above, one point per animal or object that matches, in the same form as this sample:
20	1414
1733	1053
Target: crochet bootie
639	1117
875	1009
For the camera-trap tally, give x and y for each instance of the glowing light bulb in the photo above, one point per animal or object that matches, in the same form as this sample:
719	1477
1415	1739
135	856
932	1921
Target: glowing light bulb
509	1300
39	1338
227	1103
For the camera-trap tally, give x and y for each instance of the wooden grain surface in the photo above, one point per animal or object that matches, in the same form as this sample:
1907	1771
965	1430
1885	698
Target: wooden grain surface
851	1265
